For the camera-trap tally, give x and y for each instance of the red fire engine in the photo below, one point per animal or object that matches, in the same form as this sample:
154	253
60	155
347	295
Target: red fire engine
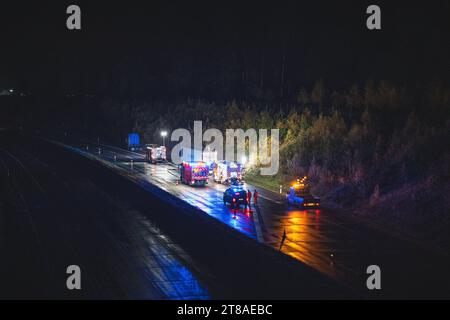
194	173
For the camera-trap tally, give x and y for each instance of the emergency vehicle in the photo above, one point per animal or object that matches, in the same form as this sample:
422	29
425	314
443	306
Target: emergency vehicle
300	195
235	196
194	173
227	171
156	154
210	158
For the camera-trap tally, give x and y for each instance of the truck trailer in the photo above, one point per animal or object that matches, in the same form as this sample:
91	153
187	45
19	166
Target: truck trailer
133	141
156	153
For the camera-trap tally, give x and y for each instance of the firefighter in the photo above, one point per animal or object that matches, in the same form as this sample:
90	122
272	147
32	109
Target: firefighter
249	197
255	197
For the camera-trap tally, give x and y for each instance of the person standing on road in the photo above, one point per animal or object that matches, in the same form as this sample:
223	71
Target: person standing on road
249	197
255	197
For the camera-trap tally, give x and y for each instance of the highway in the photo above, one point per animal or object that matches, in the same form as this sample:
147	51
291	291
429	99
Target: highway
137	233
51	216
58	208
336	245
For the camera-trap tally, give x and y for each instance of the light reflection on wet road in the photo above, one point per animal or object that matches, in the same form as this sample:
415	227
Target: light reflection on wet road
163	262
309	233
330	243
121	252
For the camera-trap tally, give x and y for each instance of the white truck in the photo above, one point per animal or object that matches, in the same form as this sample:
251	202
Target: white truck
156	153
227	171
210	158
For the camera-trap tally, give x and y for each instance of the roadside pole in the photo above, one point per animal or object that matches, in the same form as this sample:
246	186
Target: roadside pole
258	229
283	238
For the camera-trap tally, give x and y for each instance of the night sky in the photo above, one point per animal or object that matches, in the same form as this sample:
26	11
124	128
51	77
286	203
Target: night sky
218	49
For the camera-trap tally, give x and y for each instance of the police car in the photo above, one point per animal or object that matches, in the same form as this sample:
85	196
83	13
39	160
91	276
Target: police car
235	196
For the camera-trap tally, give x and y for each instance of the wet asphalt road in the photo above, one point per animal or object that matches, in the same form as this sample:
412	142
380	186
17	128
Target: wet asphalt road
329	242
130	239
52	216
53	213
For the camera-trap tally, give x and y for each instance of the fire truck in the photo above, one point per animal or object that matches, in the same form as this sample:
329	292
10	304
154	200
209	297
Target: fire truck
210	158
227	171
194	173
156	154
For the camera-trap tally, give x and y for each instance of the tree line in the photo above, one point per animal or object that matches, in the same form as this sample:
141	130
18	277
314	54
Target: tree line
364	140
